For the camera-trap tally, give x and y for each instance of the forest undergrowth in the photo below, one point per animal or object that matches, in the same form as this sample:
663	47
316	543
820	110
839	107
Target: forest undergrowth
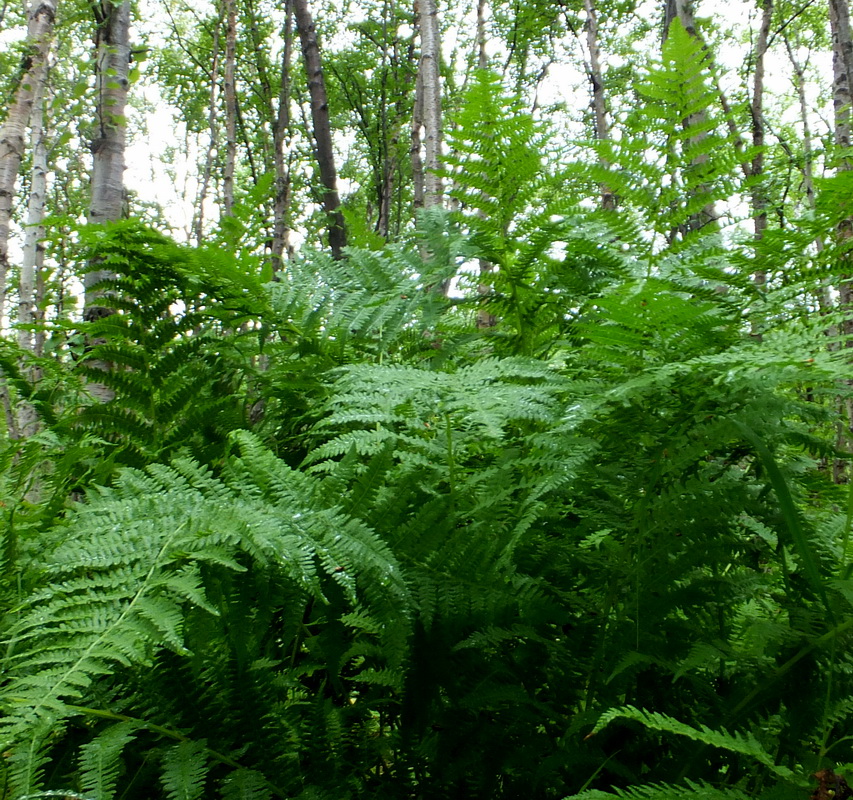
581	532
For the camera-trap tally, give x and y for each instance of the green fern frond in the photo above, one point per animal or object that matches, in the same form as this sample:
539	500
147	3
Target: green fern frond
742	743
184	771
664	791
100	760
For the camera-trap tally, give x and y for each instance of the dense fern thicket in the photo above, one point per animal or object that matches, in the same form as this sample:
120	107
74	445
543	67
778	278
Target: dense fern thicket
333	537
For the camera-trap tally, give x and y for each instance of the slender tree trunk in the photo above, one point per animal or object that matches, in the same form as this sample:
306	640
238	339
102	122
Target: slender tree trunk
41	18
756	110
391	123
808	148
839	17
485	319
213	129
108	201
108	148
430	82
842	49
842	63
416	150
32	261
280	132
599	106
230	107
322	126
33	254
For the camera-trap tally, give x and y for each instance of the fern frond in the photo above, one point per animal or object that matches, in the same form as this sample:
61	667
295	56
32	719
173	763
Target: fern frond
742	743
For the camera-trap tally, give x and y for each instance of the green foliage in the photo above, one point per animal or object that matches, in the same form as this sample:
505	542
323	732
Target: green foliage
176	348
593	550
145	575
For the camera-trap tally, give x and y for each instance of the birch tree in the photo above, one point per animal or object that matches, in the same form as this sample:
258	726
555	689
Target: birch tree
108	148
756	112
230	107
599	105
429	104
32	259
40	24
682	10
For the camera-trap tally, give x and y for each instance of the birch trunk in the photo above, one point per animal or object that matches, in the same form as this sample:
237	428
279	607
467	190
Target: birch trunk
839	18
280	132
213	130
321	125
756	110
417	144
839	22
485	319
108	149
230	107
40	22
842	65
430	83
108	202
599	106
33	254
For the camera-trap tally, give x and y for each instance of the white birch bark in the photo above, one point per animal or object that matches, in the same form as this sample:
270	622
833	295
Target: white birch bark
416	150
230	107
33	253
40	23
756	110
112	39
108	149
430	81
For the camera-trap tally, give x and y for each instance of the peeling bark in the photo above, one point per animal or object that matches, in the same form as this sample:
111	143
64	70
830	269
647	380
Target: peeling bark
33	254
108	149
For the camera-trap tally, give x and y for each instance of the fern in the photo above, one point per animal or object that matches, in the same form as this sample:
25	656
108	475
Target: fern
129	568
744	744
696	791
172	348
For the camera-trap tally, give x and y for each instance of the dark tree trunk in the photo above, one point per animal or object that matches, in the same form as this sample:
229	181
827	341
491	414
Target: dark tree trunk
322	126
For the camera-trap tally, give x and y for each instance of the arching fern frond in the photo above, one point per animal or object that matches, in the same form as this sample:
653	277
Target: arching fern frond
128	570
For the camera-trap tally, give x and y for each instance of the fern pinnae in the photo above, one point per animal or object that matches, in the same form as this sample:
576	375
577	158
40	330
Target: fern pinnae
184	770
67	672
100	759
745	744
